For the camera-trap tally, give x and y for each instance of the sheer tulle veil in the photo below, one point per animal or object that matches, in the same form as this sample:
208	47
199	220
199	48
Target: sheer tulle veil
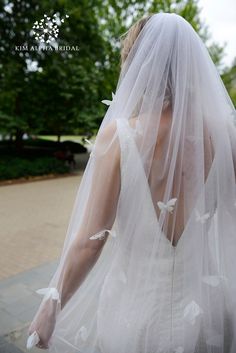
169	131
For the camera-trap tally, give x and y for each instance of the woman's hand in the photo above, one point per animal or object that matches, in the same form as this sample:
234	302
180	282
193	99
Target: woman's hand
44	323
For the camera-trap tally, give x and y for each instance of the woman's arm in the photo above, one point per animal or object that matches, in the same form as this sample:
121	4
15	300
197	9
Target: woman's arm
98	216
80	260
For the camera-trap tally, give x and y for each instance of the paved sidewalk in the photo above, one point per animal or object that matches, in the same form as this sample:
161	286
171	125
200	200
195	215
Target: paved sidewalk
34	220
18	305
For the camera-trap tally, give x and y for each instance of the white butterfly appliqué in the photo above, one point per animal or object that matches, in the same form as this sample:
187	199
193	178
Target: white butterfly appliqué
101	235
91	146
107	101
32	340
202	218
49	293
83	333
192	311
169	206
213	281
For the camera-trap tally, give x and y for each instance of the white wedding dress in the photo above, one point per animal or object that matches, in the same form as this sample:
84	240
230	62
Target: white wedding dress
166	323
162	195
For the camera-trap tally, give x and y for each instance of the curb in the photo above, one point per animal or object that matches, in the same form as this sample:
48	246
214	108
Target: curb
39	178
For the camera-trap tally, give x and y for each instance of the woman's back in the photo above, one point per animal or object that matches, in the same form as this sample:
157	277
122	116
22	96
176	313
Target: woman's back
158	179
144	295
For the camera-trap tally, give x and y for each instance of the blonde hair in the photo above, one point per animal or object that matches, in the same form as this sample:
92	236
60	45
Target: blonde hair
128	38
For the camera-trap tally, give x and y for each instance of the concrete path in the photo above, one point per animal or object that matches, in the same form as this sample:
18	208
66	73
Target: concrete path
18	305
34	220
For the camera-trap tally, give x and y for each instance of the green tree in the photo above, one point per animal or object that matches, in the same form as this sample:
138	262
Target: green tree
229	78
63	93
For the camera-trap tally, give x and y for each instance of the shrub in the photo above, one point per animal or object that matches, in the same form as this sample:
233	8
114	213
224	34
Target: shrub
15	167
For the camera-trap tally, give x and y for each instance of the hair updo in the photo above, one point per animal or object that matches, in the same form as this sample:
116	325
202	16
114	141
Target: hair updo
127	40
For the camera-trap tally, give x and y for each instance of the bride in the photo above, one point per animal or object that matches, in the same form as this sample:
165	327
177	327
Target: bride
148	263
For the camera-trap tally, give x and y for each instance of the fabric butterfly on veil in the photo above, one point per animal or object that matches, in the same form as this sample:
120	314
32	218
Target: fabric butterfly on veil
91	146
169	206
102	234
107	101
201	218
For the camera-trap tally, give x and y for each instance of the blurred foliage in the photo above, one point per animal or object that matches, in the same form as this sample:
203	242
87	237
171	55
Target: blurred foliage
229	78
14	168
64	97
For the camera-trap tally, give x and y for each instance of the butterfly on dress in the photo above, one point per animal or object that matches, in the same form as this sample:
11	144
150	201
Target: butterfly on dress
192	311
91	144
101	235
169	206
83	333
107	101
202	218
214	280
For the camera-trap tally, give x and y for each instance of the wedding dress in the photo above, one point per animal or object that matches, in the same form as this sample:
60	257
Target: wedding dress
166	322
159	193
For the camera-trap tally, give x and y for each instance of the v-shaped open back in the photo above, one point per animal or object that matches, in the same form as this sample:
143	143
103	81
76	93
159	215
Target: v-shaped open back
157	183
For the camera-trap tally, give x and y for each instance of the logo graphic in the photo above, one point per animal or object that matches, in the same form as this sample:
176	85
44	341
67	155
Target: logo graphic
47	29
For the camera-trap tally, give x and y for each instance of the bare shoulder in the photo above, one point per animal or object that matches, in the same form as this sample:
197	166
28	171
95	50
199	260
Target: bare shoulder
110	129
106	133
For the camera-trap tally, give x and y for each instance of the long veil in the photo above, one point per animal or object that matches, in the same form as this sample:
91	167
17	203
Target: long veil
159	192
